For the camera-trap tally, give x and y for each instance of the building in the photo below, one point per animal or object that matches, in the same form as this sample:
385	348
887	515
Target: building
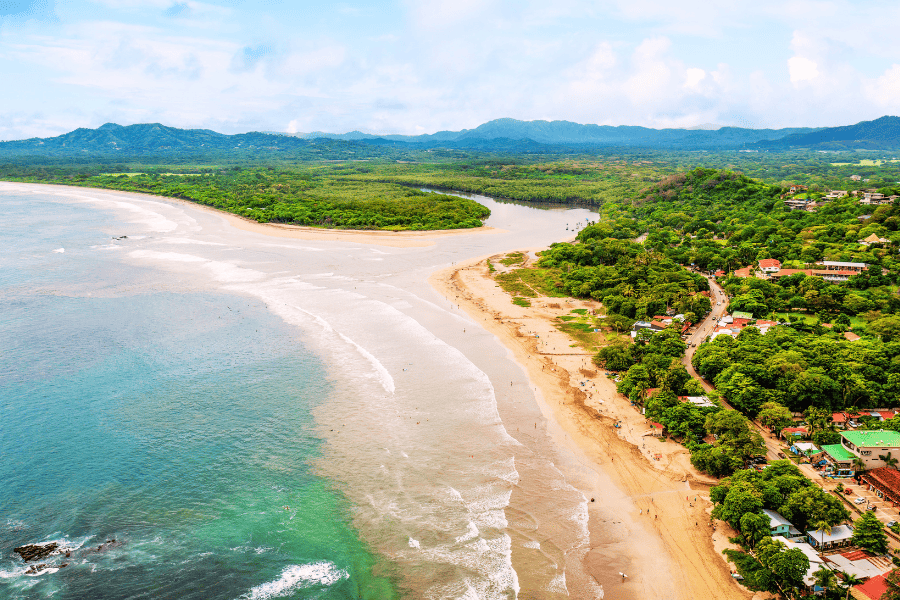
832	265
792	433
839	419
807	449
840	535
698	401
885	482
815	561
873	239
770	265
869	445
835	194
835	276
873	589
778	525
840	460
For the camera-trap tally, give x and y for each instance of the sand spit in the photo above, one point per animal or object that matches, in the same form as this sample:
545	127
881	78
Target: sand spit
660	495
396	239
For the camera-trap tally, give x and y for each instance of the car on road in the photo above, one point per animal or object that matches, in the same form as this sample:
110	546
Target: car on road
859	500
891	523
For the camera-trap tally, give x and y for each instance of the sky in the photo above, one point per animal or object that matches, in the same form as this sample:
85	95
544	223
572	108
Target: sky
421	66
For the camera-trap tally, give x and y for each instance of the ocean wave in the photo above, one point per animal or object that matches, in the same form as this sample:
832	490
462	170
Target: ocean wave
298	577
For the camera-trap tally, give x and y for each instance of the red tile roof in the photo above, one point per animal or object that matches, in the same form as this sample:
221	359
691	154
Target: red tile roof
745	272
873	588
850	336
659	324
838	417
886	414
885	479
650	392
656	425
794	430
769	262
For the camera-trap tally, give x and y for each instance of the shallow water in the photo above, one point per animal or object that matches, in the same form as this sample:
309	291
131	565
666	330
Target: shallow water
261	417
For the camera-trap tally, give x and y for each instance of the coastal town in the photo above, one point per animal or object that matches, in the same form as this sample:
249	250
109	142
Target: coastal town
842	463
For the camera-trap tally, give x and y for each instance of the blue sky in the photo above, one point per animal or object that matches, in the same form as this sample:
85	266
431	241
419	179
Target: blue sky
422	66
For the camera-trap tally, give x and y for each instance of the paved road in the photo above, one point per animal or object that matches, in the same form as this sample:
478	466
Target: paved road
705	328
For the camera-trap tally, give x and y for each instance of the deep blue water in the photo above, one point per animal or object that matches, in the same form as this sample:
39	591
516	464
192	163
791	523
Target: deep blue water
177	423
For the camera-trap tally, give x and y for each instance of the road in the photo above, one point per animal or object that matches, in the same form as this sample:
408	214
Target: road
884	512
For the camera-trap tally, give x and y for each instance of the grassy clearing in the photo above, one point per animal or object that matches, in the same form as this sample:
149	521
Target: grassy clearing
530	283
518	301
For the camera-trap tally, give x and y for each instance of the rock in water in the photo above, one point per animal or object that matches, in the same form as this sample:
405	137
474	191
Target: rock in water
35	551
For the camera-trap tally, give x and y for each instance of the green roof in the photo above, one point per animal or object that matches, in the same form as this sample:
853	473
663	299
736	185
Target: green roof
872	439
838	452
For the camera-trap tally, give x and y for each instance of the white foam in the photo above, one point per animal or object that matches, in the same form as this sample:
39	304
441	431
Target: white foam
152	219
59	250
224	272
297	577
557	585
471	533
386	380
181	240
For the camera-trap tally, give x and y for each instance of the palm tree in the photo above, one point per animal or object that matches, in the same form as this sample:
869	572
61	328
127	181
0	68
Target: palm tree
849	582
888	460
823	527
825	578
858	464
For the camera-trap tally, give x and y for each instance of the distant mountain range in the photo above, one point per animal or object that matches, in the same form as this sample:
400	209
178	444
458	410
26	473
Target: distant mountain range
501	135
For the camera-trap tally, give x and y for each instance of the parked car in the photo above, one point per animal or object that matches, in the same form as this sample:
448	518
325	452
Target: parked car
891	524
872	508
860	500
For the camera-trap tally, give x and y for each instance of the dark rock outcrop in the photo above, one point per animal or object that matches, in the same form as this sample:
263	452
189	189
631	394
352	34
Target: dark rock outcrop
32	552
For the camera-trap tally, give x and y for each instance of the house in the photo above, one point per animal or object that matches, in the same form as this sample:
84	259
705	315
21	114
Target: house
833	265
799	433
815	561
770	265
656	429
798	188
873	239
869	445
795	204
835	194
786	272
840	460
835	276
778	525
653	326
745	272
807	449
839	535
855	562
885	482
839	419
855	177
698	401
852	337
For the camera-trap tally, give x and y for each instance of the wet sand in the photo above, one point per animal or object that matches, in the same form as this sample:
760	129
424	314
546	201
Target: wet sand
649	483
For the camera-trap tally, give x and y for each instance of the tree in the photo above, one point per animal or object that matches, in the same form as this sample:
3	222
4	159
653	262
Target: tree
811	505
868	533
850	581
892	581
755	527
741	499
825	578
889	461
775	416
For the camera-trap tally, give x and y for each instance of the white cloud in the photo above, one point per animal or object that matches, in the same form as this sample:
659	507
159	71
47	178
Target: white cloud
802	69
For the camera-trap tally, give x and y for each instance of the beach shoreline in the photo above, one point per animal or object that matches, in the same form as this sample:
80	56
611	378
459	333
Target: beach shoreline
395	239
648	483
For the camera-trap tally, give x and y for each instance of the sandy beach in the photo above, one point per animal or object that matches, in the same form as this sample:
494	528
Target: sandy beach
647	508
664	497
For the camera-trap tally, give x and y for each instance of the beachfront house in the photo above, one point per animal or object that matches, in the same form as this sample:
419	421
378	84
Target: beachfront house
815	561
840	535
778	525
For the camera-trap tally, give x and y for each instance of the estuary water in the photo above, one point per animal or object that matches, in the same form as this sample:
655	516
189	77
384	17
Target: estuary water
194	411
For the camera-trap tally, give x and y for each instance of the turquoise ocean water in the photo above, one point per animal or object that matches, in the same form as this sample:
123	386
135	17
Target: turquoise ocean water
177	423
